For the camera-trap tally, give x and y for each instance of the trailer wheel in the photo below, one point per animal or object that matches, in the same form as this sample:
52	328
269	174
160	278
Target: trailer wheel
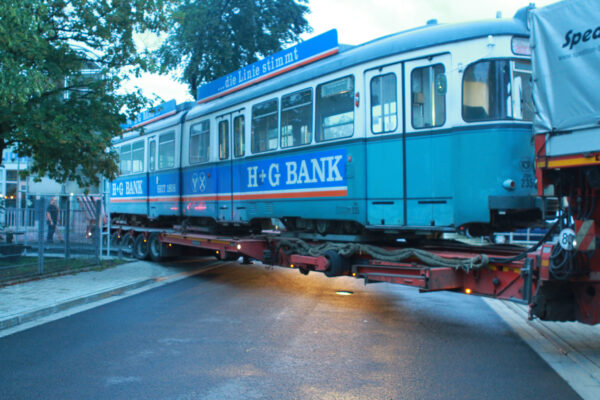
338	265
155	247
127	242
140	247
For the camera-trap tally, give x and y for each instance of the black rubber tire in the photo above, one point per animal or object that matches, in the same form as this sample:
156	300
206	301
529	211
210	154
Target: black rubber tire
140	247
338	265
126	244
155	247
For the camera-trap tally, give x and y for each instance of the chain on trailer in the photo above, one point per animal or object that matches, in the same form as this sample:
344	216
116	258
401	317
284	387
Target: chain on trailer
299	246
479	261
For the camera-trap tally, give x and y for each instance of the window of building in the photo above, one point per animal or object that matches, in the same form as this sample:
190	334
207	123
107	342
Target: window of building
335	109
264	126
296	118
224	140
125	159
137	157
428	96
384	109
200	142
11	195
238	136
166	150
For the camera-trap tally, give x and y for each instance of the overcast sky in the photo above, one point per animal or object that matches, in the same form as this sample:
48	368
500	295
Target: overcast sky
358	21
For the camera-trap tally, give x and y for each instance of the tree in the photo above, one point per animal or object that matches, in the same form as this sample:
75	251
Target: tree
211	38
61	66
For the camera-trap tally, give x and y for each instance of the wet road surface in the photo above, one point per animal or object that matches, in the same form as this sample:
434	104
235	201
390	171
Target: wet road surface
247	332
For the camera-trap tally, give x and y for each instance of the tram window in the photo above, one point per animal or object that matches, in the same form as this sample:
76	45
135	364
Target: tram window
384	113
296	118
224	140
428	101
238	136
522	91
335	109
486	87
125	159
489	93
200	142
152	154
166	150
137	157
264	126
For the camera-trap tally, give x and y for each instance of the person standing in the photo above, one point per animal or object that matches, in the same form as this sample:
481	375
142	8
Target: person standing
52	218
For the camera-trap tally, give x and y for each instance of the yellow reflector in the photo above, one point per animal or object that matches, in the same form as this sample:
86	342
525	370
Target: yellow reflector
468	291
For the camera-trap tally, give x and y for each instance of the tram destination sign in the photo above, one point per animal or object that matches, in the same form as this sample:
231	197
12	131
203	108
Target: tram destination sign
303	53
153	114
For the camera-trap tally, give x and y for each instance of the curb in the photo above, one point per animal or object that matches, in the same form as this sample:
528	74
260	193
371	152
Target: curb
29	316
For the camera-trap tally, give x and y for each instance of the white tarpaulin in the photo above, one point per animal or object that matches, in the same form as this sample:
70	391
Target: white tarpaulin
565	45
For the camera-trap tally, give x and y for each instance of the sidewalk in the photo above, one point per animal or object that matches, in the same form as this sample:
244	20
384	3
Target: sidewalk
572	349
27	302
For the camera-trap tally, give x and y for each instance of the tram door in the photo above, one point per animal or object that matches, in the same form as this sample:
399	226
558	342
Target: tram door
227	128
429	144
384	156
152	210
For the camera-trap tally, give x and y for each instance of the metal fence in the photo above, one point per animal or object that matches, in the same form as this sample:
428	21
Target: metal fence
28	247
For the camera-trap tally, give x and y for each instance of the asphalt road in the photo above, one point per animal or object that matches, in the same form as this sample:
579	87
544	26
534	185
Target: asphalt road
245	332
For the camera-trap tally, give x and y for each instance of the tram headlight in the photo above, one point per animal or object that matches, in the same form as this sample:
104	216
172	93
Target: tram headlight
509	184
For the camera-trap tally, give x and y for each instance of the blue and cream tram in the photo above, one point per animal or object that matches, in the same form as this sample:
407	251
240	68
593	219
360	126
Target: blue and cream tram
423	130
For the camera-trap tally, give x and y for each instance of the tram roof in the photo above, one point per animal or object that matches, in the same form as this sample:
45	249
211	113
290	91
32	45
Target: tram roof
348	56
162	123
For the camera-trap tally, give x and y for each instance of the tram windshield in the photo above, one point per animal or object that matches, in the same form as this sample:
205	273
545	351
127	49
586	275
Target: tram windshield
497	90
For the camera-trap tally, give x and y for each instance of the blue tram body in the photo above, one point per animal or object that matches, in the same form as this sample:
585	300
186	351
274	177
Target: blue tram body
423	130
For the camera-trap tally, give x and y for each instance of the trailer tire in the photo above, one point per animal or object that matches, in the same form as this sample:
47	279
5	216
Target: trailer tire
127	242
155	247
140	247
338	265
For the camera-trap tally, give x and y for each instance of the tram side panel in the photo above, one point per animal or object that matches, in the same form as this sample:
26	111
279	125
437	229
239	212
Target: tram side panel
311	183
199	191
129	195
494	174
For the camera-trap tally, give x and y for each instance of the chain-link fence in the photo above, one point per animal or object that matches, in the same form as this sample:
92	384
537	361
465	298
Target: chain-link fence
52	234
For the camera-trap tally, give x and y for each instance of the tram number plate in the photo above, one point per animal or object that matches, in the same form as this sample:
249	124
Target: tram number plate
528	181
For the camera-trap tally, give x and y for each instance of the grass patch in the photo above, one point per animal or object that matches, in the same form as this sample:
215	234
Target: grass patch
27	267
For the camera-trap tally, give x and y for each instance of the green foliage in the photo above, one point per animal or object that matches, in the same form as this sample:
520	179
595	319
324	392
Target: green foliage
211	38
61	65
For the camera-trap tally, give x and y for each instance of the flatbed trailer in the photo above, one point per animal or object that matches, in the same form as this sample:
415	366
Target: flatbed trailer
503	272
